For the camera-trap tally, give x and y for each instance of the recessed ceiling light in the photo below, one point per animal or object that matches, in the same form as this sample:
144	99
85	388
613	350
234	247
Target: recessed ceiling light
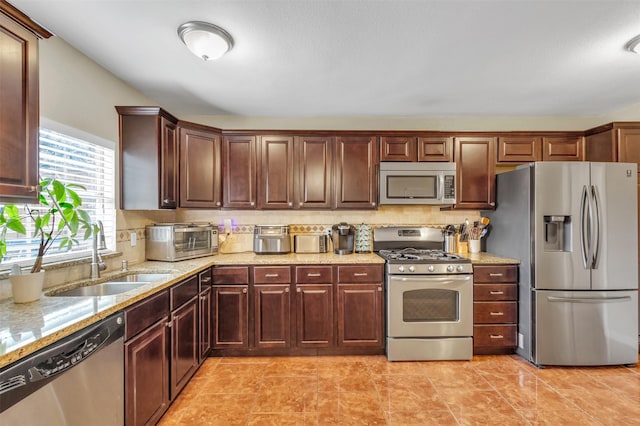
633	45
206	41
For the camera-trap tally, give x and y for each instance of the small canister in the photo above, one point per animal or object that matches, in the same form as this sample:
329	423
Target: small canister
363	238
450	243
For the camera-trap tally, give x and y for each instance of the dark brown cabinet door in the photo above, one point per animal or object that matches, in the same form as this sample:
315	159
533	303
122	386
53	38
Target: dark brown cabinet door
519	149
200	173
272	310
275	172
360	311
357	160
562	148
314	159
314	311
147	375
168	165
629	146
231	319
19	114
435	148
239	172
398	148
184	345
204	324
475	175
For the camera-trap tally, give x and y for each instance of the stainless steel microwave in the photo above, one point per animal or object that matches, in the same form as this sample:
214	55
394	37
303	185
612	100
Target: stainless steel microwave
417	183
179	241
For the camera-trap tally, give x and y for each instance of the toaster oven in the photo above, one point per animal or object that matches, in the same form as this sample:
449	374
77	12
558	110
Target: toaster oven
171	242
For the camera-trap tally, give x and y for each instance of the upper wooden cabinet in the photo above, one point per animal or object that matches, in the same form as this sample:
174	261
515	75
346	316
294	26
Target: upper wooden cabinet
617	141
275	172
416	148
239	172
356	184
19	117
562	148
148	158
200	173
519	149
313	178
475	174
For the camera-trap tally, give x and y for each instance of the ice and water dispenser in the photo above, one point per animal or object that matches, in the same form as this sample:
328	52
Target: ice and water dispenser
557	233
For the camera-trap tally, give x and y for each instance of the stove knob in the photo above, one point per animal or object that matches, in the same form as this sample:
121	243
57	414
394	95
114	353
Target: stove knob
460	268
431	268
412	268
450	268
400	268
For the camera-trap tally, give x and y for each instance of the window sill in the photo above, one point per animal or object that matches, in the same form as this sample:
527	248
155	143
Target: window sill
66	263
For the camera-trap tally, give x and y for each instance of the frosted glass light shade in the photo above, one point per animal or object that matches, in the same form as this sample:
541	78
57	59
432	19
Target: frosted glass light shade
206	41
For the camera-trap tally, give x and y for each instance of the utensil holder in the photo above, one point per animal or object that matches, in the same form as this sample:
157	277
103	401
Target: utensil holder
461	246
474	246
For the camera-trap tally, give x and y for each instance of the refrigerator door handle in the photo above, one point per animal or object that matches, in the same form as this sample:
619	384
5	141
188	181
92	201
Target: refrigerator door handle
584	206
595	234
588	299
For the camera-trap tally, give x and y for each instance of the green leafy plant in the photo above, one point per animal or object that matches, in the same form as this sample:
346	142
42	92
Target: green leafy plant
62	219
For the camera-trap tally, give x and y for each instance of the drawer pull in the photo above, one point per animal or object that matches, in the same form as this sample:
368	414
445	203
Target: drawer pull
206	280
496	314
496	292
244	290
298	290
286	290
313	275
498	274
271	275
360	274
379	288
496	336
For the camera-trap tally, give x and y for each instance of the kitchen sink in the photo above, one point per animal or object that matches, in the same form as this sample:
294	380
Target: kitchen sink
104	289
140	277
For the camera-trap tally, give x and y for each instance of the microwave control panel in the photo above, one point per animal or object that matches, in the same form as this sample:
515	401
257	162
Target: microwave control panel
450	186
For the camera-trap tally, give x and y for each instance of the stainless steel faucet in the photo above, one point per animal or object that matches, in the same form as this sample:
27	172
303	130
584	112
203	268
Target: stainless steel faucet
97	264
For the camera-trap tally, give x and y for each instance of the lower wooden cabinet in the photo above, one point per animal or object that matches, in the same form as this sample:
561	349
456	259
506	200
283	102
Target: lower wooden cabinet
360	312
231	317
184	345
272	307
204	324
314	319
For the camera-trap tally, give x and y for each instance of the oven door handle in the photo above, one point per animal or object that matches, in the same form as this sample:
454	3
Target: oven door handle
431	279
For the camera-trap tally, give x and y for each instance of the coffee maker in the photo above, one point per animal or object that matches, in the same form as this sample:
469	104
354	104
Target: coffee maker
342	237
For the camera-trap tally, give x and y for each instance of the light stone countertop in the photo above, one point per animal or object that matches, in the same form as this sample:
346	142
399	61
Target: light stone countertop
26	328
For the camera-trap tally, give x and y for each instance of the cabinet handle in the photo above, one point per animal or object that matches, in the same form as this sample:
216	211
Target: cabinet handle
271	275
300	203
497	292
168	200
169	324
286	290
290	204
360	274
202	297
379	288
244	290
252	203
496	314
35	188
313	274
373	204
206	280
499	274
298	290
496	336
218	203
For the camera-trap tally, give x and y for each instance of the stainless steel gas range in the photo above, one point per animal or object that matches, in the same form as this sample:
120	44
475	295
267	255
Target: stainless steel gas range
429	296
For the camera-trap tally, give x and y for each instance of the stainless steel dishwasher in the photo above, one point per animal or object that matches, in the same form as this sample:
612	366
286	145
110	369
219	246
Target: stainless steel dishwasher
76	381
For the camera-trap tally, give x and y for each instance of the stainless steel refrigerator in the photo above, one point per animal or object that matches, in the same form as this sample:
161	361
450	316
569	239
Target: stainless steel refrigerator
574	227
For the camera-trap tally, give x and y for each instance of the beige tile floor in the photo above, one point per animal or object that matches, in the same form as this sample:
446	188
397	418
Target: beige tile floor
369	390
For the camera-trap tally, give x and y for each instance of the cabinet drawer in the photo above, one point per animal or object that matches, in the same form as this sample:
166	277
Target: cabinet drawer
495	292
495	274
495	312
360	274
224	275
182	292
494	335
204	280
145	313
272	274
314	274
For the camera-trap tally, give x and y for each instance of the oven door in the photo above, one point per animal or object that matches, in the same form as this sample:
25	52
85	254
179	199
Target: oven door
429	306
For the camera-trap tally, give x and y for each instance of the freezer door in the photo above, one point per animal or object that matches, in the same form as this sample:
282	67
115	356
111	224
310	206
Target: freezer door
559	259
585	328
615	255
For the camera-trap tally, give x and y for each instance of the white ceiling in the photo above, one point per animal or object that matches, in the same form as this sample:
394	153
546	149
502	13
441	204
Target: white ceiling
365	57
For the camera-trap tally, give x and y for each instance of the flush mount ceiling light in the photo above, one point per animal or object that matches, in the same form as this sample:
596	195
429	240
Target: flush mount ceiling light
633	45
206	41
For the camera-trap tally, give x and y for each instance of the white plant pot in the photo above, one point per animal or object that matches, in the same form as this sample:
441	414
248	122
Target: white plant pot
27	287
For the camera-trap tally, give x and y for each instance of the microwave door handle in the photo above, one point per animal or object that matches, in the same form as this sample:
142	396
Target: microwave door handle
440	194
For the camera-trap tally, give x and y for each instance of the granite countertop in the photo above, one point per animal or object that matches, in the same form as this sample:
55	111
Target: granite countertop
484	258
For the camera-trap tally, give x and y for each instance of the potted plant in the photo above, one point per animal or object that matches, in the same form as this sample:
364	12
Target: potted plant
60	221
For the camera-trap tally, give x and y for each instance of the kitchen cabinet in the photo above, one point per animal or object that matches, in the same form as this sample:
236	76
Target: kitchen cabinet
200	166
475	175
148	158
435	148
495	309
272	306
519	149
398	148
275	172
314	306
313	178
562	148
239	174
360	306
230	307
19	103
184	333
356	177
204	314
147	360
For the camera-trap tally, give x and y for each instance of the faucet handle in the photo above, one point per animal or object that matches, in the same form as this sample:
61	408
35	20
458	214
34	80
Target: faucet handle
125	265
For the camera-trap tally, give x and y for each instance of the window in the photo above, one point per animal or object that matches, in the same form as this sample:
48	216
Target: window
71	159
